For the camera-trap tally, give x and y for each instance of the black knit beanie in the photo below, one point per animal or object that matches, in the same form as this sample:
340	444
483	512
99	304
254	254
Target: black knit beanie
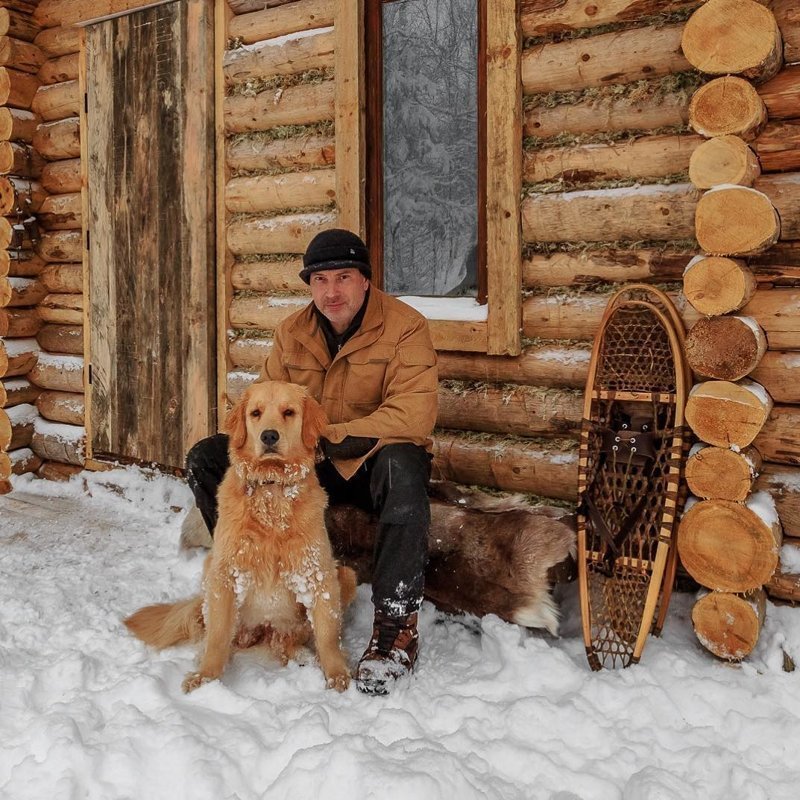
335	249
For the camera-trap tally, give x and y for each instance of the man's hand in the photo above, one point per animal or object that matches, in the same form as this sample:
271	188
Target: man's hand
349	447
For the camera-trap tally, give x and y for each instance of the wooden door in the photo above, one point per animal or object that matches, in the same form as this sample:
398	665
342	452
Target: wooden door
148	124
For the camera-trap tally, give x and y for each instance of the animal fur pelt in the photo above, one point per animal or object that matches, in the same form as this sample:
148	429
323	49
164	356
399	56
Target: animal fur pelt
487	555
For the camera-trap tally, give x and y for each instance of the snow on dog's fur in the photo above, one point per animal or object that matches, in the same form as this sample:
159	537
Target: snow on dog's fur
270	577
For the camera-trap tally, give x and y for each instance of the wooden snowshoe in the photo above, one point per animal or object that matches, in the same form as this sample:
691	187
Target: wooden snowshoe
633	448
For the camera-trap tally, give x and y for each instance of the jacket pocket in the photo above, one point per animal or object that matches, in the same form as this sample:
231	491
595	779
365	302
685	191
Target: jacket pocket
366	375
304	369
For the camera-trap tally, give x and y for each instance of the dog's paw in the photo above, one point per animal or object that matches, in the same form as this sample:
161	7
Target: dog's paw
338	680
194	680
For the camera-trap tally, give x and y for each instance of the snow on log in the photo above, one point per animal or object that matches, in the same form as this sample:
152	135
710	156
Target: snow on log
733	36
18	89
17	356
719	473
282	234
263	312
723	159
736	220
269	276
61	246
57	101
725	348
66	407
61	212
24	460
61	177
56	441
17	124
728	414
249	352
270	23
19	322
21	418
20	263
238	381
25	292
58	373
257	153
716	285
284	56
15	391
64	309
18	195
731	547
728	625
58	70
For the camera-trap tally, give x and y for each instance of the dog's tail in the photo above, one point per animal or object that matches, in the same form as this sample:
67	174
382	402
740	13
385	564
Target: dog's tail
168	624
347	585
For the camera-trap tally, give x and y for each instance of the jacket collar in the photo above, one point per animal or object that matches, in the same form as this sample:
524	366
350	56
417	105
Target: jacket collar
307	331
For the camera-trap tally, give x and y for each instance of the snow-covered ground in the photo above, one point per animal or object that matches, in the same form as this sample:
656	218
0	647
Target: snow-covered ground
494	711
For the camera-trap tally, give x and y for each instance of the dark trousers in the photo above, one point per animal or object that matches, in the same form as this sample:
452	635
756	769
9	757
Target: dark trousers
391	484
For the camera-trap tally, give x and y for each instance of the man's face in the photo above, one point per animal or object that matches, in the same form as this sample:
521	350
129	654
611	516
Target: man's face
339	294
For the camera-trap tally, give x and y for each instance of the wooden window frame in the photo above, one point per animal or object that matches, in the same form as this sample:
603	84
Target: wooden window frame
500	163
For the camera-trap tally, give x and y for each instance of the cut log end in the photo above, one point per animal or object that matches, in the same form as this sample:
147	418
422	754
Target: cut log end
728	414
733	36
724	159
725	106
725	348
721	474
731	221
728	625
717	285
727	547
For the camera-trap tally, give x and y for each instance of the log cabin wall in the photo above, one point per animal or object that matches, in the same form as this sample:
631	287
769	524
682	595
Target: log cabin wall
21	196
607	199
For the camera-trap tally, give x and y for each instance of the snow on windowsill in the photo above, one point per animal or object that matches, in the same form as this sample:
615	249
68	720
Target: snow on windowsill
456	309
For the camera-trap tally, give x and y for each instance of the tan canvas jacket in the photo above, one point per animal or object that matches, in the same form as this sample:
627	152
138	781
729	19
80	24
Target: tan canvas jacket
382	383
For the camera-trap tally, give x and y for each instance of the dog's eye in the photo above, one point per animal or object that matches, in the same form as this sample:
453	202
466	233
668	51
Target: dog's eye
288	413
255	413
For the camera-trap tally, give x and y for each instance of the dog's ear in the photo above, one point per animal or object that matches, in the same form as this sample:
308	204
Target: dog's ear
314	422
235	425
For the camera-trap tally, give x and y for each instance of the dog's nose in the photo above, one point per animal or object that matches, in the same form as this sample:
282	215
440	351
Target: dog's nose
270	437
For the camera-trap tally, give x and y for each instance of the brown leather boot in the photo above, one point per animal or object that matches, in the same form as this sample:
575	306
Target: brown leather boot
391	653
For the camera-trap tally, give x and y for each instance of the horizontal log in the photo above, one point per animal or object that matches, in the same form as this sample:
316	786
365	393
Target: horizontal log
21	55
635	213
607	114
51	443
17	89
595	61
243	6
520	411
23	6
647	156
67	407
62	278
21	419
59	41
57	471
20	263
269	276
787	15
17	124
303	104
279	57
58	70
270	23
256	153
60	373
777	442
781	95
61	212
282	234
67	339
544	17
262	312
248	352
632	213
61	246
265	193
20	159
509	465
25	292
59	139
783	484
17	24
20	196
64	309
24	460
585	267
62	177
778	147
17	356
19	322
16	391
57	101
777	373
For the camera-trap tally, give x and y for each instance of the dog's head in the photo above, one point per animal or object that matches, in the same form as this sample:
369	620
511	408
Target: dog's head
275	421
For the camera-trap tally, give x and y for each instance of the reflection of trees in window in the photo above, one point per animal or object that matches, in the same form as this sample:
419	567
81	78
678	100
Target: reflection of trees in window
430	146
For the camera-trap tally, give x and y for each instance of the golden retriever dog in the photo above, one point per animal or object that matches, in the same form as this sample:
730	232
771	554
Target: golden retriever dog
270	578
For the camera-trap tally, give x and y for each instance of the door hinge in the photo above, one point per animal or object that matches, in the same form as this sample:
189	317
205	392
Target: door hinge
88	239
90	374
86	102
